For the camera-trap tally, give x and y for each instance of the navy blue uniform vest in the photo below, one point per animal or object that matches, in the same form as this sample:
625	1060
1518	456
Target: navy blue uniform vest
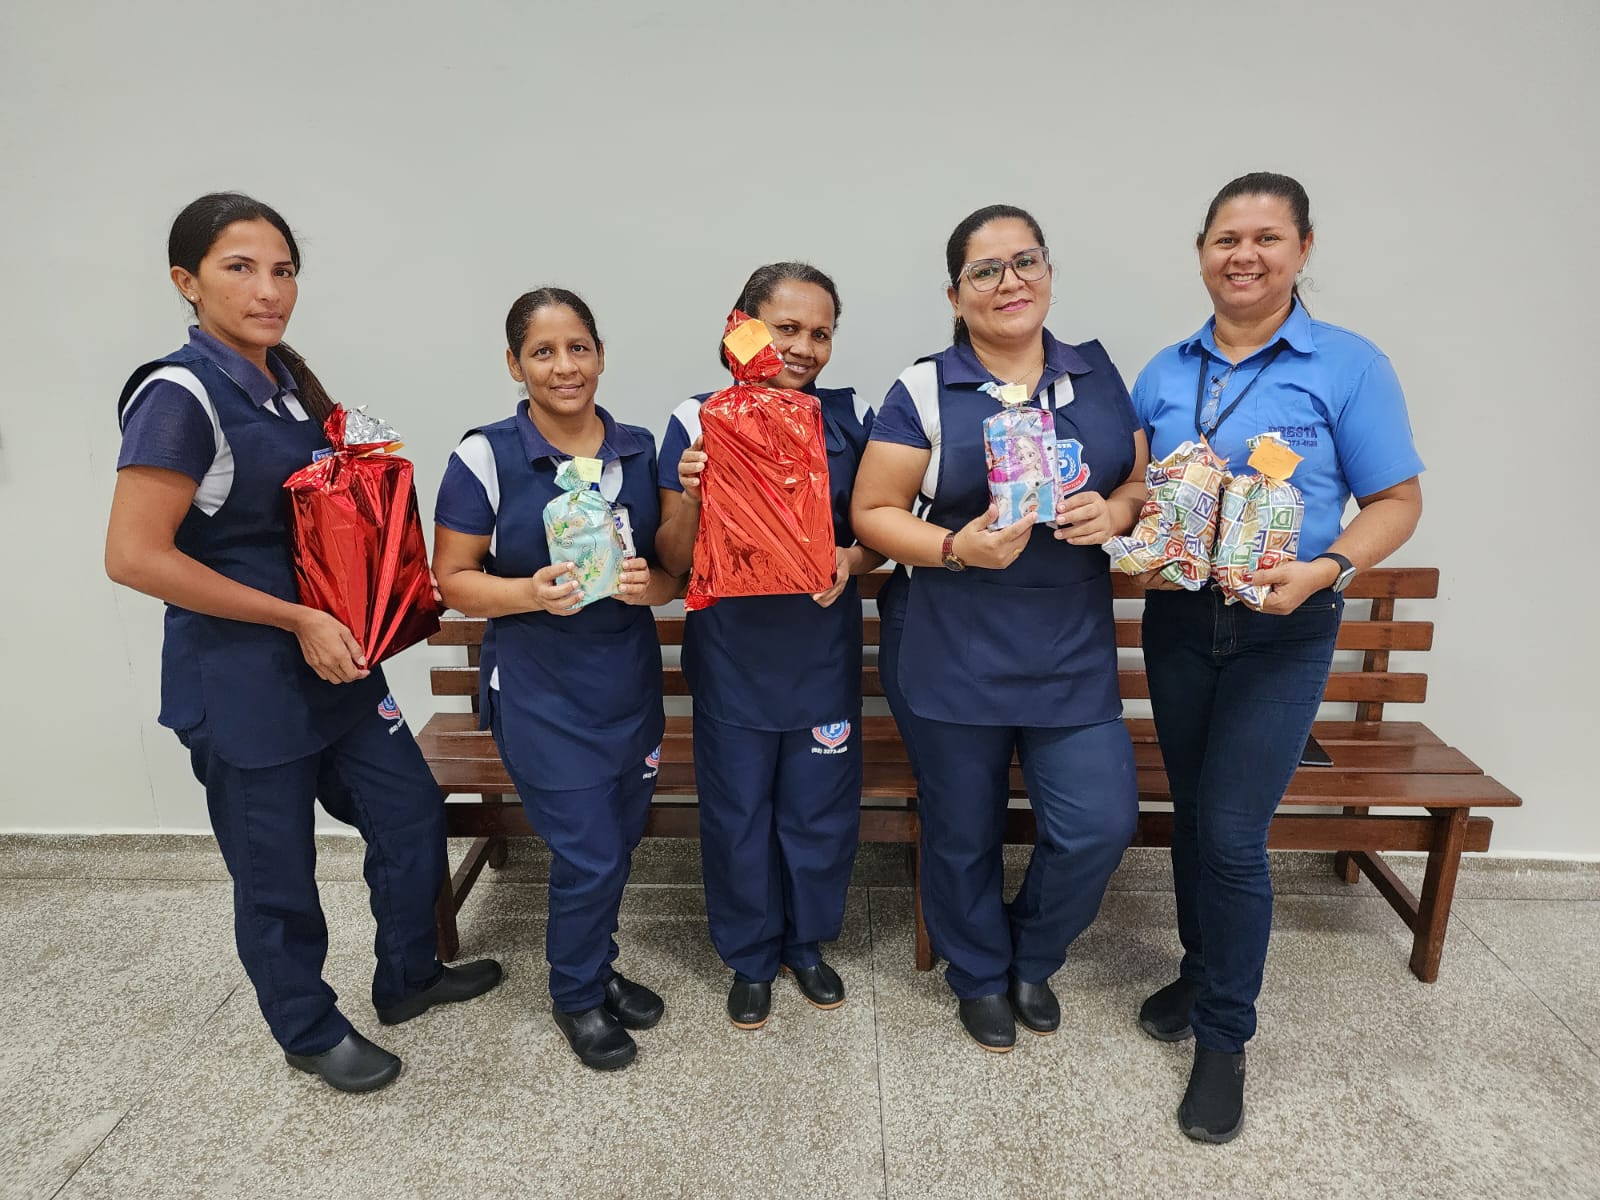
262	705
1033	644
579	696
782	662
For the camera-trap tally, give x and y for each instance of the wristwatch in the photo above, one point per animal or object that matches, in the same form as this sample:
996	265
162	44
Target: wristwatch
1347	569
948	554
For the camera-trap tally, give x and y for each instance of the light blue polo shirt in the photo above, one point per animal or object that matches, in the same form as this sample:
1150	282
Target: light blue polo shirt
1330	393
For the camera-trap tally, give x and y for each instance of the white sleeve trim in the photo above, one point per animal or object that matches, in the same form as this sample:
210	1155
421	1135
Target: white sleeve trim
863	409
921	381
213	490
688	415
477	455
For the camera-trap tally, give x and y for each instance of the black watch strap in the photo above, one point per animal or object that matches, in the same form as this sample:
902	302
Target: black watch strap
1347	569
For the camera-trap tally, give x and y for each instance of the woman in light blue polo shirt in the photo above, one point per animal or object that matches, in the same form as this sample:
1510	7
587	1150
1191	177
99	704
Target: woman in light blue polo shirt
1235	691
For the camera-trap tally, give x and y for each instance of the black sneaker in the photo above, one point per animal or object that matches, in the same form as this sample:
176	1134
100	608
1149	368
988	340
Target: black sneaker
1165	1015
1213	1104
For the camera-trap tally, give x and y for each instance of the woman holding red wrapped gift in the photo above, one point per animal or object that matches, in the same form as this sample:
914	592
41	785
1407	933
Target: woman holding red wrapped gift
776	682
1235	691
1000	641
273	700
573	690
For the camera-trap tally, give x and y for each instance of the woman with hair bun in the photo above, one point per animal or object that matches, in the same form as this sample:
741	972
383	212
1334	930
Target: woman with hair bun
776	682
273	700
573	690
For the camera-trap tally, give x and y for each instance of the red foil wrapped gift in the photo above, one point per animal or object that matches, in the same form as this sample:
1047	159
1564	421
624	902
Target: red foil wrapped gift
766	516
358	548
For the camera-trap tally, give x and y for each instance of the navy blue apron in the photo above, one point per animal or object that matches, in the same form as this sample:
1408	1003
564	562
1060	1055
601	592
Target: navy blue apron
782	662
262	704
579	696
1033	644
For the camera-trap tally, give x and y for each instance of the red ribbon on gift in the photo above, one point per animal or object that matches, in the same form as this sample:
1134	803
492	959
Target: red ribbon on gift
359	553
766	515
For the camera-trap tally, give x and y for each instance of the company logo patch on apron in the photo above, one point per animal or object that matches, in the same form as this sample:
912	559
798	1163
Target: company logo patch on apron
390	711
1071	470
652	763
830	738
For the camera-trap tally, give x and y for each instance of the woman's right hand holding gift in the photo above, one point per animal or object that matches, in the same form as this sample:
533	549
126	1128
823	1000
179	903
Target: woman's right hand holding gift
690	467
550	594
977	545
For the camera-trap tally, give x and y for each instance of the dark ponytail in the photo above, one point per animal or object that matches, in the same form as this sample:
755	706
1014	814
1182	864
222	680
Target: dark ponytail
196	229
955	250
1263	183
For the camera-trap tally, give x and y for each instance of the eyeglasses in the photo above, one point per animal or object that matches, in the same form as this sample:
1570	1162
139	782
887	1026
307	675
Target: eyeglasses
985	274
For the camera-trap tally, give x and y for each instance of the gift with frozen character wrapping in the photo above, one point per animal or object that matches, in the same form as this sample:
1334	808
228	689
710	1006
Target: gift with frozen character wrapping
358	549
766	515
1258	524
580	527
1177	526
1019	444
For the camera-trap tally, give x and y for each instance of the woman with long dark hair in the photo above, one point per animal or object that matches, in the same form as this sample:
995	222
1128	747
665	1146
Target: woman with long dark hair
273	700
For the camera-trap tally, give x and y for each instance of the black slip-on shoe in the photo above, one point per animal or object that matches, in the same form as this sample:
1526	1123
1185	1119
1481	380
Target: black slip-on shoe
596	1037
989	1021
1213	1104
632	1004
1165	1015
749	1004
354	1065
454	985
1036	1006
820	985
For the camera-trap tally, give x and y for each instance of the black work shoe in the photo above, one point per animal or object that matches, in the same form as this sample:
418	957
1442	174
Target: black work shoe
988	1019
820	985
596	1038
749	1004
1213	1104
1165	1015
354	1065
632	1004
1036	1006
454	985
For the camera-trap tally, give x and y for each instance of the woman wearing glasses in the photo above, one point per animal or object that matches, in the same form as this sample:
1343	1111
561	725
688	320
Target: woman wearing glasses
1000	641
777	691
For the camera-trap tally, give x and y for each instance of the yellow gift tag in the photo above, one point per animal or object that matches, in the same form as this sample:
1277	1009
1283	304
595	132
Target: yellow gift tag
1274	459
588	469
1013	393
747	341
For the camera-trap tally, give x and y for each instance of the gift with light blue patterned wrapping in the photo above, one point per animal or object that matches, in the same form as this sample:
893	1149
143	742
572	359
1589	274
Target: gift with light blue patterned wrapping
581	528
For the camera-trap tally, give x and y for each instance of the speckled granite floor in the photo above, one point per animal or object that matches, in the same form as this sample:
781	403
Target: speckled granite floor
135	1063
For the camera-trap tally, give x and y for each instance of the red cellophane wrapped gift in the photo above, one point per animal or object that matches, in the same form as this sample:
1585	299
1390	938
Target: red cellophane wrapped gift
766	517
358	548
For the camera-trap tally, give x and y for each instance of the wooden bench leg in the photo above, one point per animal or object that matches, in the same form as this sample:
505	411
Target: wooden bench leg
453	894
497	855
447	937
924	947
1344	863
1438	892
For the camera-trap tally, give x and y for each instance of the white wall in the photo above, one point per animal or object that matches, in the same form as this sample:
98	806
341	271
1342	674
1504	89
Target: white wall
438	159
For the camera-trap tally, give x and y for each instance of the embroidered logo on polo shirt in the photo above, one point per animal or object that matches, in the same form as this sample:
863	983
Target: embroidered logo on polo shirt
390	711
830	738
652	764
1071	470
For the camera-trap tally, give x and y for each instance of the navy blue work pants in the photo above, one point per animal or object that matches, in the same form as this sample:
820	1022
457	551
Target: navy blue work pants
374	778
780	816
1234	693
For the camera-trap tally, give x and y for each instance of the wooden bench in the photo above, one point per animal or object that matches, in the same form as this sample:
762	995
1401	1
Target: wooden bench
1379	766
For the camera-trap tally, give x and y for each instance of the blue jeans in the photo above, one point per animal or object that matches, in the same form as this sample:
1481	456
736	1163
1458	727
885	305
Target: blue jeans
1234	694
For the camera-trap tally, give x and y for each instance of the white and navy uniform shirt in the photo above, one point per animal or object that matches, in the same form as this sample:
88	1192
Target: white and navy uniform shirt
210	414
579	697
780	662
